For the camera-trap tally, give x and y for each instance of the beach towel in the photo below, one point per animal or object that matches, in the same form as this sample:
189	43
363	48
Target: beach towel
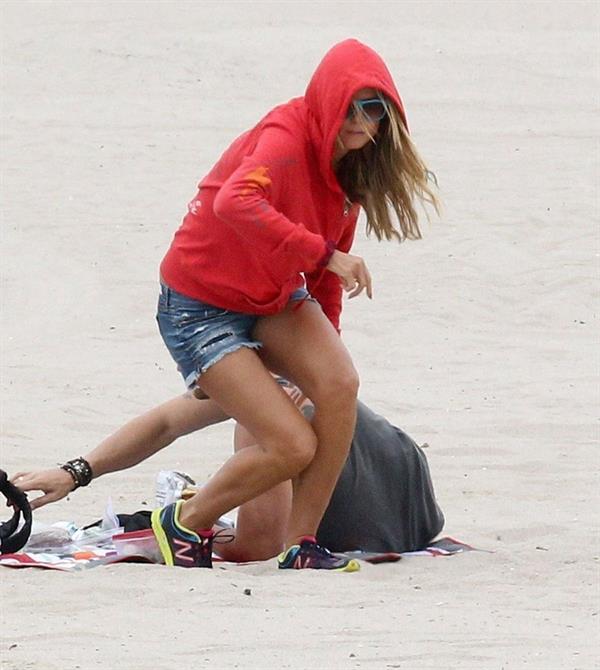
140	547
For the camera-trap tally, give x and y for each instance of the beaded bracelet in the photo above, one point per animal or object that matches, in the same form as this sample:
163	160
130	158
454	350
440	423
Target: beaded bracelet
80	470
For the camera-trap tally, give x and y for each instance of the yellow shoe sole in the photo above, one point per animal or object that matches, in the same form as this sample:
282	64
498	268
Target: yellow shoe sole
161	537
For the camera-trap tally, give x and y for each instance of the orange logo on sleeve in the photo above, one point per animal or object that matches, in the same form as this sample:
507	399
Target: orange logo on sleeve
257	177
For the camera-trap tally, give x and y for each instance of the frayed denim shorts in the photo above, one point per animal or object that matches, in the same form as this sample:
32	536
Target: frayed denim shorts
198	335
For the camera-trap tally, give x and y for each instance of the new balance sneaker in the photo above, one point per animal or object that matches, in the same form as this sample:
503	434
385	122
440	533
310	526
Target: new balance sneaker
309	554
179	545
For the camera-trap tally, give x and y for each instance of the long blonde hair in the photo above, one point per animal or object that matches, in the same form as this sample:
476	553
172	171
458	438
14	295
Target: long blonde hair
388	173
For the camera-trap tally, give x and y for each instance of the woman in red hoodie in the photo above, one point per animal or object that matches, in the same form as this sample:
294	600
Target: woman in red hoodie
253	282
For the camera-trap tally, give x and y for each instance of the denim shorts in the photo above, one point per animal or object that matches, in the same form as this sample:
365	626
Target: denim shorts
198	335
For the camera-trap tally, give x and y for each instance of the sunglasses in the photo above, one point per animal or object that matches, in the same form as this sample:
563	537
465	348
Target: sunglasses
372	109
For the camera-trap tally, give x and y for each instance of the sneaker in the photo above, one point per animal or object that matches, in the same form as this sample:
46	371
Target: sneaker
309	554
179	545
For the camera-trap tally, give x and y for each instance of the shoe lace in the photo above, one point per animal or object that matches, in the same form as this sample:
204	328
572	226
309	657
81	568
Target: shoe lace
223	536
202	550
323	552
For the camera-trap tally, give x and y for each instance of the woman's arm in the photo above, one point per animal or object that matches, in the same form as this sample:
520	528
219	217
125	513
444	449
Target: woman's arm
143	436
245	202
136	441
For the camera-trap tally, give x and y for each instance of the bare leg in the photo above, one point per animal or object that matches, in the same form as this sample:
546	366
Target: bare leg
261	526
245	390
302	345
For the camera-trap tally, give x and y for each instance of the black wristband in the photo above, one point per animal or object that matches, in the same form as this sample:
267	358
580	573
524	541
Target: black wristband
80	470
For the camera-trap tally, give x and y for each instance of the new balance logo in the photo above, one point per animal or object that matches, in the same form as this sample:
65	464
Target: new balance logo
185	547
299	563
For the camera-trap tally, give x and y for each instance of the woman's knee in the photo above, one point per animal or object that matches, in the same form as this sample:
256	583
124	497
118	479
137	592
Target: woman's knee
337	387
294	451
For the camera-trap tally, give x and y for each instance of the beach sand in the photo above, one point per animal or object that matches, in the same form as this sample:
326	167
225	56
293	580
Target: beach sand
481	340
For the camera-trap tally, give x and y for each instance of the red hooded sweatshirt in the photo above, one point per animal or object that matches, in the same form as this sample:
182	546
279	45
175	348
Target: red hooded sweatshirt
263	215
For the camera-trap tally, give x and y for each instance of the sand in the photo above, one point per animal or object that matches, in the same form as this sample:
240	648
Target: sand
482	339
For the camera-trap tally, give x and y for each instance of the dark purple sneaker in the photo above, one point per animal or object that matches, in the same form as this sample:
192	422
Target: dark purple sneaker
309	554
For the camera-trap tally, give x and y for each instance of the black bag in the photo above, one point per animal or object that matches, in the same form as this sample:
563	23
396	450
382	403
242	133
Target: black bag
11	539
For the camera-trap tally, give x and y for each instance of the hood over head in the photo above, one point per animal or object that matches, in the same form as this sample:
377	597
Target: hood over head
345	69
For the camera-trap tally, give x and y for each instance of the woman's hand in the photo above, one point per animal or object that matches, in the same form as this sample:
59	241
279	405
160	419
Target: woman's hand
55	484
353	272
